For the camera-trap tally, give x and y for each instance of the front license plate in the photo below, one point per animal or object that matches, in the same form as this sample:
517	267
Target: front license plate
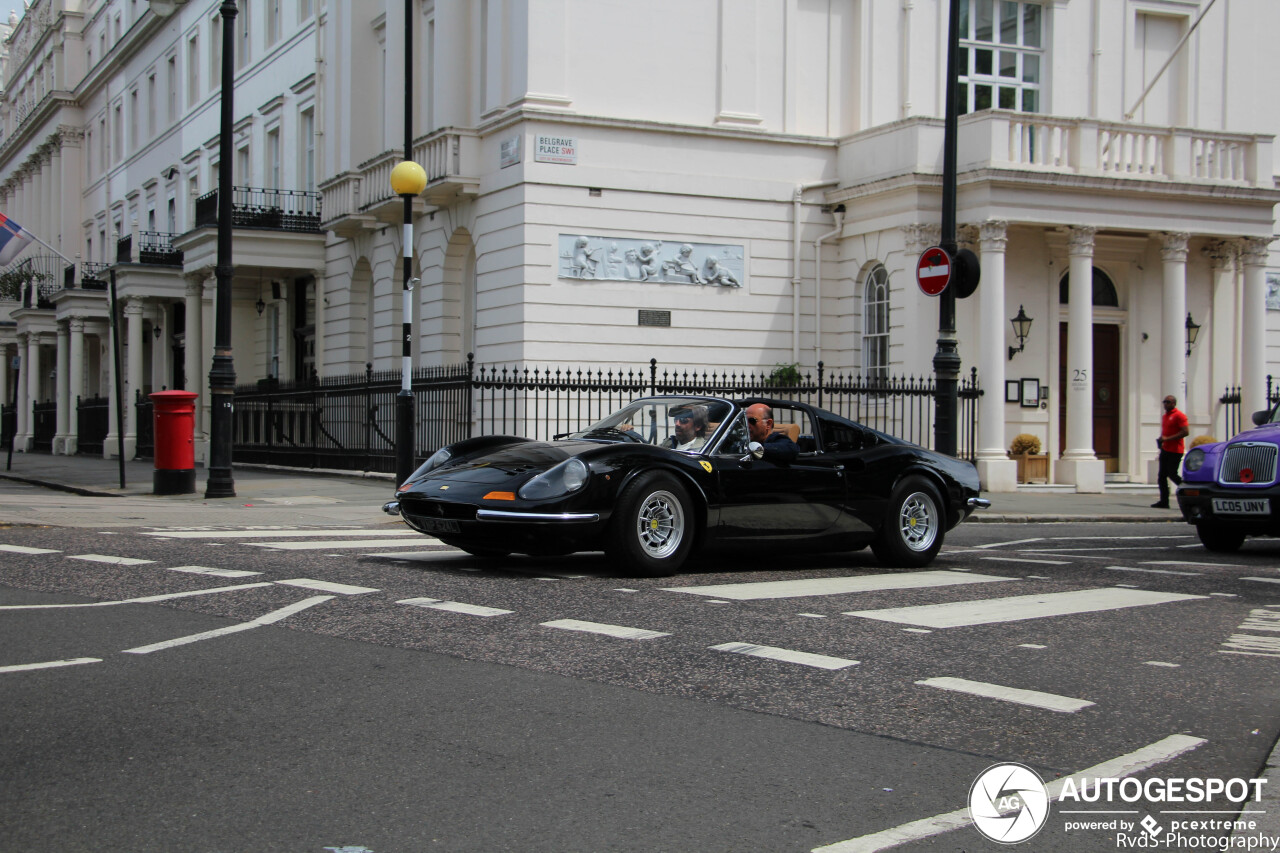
1242	506
438	525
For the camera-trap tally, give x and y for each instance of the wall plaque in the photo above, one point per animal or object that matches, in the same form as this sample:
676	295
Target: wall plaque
649	317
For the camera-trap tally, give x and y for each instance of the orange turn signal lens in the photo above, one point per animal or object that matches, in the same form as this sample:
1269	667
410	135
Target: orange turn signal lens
500	496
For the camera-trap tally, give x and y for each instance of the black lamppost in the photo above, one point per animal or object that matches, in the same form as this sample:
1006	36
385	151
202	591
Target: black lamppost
946	358
222	374
408	180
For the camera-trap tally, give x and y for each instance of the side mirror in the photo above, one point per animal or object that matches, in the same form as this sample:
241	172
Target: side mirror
1260	418
755	450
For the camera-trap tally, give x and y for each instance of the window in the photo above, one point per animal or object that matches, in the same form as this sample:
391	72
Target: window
1000	60
215	50
242	34
171	114
304	9
875	324
307	130
134	140
118	133
242	173
273	21
1104	290
273	160
193	65
151	106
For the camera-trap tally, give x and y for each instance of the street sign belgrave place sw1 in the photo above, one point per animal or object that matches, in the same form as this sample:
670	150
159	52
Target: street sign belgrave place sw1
933	271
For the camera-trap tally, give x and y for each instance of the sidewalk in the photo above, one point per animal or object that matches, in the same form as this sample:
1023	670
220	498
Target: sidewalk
334	494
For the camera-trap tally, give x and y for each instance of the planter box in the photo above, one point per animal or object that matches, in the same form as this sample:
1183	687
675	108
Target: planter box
1032	468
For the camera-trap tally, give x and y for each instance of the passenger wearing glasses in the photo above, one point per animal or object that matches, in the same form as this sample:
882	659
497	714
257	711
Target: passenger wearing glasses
690	428
778	448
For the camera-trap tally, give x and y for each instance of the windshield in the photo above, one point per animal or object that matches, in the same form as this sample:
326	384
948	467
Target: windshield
680	423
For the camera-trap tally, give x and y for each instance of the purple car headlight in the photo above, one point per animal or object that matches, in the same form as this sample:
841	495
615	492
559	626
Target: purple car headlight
1194	461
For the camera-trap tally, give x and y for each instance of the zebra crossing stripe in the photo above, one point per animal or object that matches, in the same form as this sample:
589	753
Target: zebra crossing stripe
326	586
1033	698
23	549
324	545
621	632
218	573
455	607
118	561
1020	607
53	664
274	534
786	655
836	586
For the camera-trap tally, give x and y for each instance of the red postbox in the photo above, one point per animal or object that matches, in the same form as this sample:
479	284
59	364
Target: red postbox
175	425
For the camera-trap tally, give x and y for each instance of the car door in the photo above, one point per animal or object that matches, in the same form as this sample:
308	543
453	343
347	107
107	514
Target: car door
762	501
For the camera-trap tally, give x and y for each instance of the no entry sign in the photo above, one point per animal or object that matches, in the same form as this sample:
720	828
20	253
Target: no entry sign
933	272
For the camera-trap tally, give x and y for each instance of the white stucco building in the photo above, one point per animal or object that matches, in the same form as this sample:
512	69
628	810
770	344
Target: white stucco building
1117	176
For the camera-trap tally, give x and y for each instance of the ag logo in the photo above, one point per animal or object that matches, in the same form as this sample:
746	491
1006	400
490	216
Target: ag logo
1008	803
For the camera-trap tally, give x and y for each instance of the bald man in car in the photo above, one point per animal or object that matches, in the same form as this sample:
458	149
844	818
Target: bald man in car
778	447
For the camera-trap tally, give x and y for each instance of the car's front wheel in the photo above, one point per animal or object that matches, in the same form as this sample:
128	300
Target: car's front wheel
1217	539
653	524
913	525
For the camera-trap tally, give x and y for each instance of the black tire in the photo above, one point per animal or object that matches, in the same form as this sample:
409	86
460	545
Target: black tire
1218	539
653	526
914	525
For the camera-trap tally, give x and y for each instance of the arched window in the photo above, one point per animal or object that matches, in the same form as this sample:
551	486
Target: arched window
875	323
1104	291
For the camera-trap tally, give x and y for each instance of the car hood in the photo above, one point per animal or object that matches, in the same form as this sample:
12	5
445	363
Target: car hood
1266	432
511	464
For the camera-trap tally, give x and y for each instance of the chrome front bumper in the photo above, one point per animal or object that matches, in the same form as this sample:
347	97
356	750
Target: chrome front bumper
979	503
561	517
392	508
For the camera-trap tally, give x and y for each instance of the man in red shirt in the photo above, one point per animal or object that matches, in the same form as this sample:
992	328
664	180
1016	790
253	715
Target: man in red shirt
1173	429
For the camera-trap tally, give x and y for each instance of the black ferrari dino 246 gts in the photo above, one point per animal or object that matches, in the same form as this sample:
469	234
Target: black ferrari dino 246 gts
622	485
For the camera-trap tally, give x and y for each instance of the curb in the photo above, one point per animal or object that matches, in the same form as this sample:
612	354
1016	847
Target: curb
1073	519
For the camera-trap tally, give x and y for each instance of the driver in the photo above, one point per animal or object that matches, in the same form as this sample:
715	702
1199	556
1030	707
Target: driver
690	429
778	447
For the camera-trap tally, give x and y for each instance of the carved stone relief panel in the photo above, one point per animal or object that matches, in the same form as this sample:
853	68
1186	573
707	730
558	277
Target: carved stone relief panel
651	260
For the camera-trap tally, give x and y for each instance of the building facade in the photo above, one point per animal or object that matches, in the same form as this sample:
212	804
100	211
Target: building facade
729	184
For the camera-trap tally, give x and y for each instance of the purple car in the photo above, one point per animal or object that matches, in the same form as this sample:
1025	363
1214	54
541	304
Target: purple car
1229	490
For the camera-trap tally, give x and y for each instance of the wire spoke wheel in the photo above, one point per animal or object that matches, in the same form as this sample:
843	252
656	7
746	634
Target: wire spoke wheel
914	525
918	521
654	526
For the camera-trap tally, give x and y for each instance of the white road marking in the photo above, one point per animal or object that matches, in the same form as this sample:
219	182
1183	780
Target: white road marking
321	545
326	586
1029	560
1055	550
26	667
148	599
268	619
1192	563
1262	580
1014	542
917	630
786	655
813	615
276	534
23	549
1020	607
1017	695
835	586
221	573
455	607
1031	646
1151	571
621	632
1162	663
1125	765
119	561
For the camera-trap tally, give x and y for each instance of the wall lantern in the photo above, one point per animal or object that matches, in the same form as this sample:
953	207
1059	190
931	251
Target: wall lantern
156	332
261	306
1021	328
1193	329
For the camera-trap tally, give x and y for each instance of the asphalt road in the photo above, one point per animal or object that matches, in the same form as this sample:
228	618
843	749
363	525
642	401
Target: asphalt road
311	690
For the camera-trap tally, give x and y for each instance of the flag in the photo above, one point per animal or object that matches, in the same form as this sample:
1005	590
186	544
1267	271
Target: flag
13	239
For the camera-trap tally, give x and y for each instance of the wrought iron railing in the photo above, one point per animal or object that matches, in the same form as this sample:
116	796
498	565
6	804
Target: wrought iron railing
253	207
348	422
1232	417
92	422
44	425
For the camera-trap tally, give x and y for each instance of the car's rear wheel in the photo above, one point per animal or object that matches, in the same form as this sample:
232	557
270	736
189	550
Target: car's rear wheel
1217	539
913	525
652	530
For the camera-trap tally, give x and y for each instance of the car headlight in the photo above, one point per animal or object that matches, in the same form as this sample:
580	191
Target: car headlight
1194	460
567	477
437	459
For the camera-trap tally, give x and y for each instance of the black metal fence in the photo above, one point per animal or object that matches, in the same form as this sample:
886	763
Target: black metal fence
1232	417
348	422
44	425
8	425
92	425
254	207
145	448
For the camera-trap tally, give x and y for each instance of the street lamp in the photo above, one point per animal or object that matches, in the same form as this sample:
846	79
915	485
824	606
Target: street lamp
408	180
1193	329
1021	328
222	374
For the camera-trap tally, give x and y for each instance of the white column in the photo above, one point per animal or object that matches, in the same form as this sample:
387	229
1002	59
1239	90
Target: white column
1078	465
24	402
1253	328
997	471
111	444
31	364
133	373
1218	335
63	387
193	337
75	382
1173	316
